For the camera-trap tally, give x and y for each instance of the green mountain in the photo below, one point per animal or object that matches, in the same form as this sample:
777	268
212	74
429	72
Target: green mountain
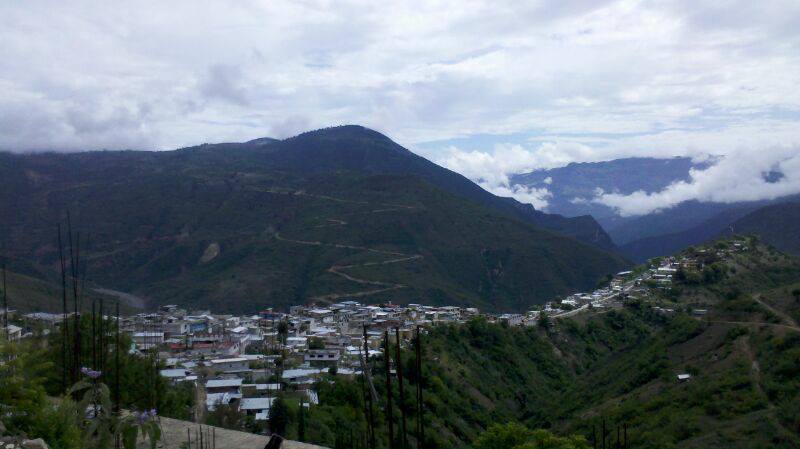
621	365
777	225
327	215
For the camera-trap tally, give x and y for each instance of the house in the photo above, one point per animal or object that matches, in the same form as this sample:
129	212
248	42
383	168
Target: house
50	319
224	386
231	365
258	407
301	376
511	319
176	375
147	340
176	328
215	399
14	332
322	355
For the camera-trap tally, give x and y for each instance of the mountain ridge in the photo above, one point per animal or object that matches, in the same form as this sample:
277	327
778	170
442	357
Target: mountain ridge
213	223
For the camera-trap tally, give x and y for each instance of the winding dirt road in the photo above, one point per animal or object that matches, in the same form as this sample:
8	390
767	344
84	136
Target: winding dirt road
339	270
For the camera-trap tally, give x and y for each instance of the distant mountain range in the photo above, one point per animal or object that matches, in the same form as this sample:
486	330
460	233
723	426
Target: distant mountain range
575	185
339	213
640	237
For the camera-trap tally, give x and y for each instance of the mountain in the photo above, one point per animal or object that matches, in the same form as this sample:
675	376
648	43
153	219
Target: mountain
354	148
772	222
576	182
777	225
670	243
327	215
641	237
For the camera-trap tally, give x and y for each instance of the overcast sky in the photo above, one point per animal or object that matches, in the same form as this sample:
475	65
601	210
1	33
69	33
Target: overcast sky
487	88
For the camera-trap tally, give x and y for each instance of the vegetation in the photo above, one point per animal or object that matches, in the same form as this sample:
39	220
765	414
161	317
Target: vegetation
223	226
88	422
618	367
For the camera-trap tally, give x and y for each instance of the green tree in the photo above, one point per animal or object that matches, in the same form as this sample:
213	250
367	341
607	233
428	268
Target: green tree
544	320
283	331
278	416
316	343
517	436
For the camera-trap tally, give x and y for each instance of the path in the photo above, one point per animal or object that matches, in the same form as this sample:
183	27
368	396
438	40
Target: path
755	323
339	270
783	315
129	299
755	373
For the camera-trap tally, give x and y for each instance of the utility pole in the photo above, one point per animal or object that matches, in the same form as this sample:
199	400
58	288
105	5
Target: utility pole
388	363
604	433
370	412
64	319
420	408
5	304
401	401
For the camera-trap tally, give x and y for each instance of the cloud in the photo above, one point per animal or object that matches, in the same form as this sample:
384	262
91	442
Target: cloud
290	126
491	170
225	82
487	88
742	176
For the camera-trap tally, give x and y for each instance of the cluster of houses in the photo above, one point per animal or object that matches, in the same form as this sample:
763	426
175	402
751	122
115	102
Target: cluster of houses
243	361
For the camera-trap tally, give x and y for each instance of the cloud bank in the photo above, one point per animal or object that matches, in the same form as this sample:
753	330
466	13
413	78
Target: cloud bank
743	176
562	81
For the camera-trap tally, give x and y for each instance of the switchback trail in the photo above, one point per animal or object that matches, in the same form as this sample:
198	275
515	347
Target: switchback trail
339	269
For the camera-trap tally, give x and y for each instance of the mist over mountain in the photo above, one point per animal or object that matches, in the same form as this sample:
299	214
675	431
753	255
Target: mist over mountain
575	189
330	214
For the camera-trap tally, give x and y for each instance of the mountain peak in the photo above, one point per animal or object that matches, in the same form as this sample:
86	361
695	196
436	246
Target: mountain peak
342	132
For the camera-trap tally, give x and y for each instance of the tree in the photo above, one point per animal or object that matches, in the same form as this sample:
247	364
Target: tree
278	416
225	416
517	436
301	423
544	320
283	331
316	343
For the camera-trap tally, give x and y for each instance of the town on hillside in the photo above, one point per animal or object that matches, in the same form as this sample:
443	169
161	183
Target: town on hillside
242	362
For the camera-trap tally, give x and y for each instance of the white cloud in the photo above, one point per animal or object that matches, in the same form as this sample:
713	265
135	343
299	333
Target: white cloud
491	170
741	176
569	81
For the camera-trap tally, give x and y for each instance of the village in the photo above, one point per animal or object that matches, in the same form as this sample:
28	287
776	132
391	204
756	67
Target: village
242	362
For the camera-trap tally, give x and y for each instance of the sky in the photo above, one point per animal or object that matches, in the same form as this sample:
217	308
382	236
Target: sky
486	88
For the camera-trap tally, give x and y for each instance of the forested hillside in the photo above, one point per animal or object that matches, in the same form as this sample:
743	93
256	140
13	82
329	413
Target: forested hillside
777	225
621	366
336	213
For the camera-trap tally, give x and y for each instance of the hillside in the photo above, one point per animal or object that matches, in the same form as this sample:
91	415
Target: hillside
243	226
31	290
777	225
621	365
673	242
358	149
